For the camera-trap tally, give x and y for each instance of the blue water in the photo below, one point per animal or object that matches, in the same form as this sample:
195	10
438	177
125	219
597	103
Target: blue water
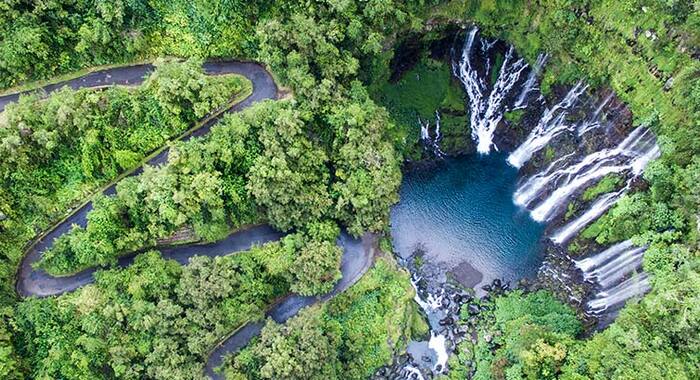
462	211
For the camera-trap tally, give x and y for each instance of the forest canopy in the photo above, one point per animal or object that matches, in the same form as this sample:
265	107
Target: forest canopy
326	157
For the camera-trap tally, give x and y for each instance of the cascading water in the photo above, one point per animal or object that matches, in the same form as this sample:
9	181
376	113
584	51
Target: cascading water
486	102
617	273
531	81
551	124
594	121
436	345
432	142
601	205
632	155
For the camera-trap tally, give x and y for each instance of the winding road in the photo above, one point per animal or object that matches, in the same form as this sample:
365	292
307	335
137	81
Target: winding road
357	256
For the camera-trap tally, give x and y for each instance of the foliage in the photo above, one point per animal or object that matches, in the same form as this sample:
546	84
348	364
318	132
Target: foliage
608	184
366	165
202	187
290	179
418	94
40	41
154	319
656	338
357	332
530	336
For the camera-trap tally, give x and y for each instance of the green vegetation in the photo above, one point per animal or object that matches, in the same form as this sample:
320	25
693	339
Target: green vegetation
420	92
349	337
327	157
524	336
155	319
40	41
514	116
607	184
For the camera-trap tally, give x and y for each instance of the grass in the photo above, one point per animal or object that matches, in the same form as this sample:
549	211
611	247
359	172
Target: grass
422	90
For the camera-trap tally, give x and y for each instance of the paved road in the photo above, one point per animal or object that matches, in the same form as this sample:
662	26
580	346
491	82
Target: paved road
39	283
357	254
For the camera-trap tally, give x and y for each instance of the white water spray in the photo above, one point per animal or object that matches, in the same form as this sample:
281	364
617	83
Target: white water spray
632	155
615	271
531	80
551	124
486	110
433	142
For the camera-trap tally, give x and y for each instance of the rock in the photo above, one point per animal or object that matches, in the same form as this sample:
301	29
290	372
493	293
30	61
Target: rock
486	298
466	298
469	363
486	287
473	309
457	298
506	286
426	359
446	321
438	368
497	283
445	302
488	338
414	376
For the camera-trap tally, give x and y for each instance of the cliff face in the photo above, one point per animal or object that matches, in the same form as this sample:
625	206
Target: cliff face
576	147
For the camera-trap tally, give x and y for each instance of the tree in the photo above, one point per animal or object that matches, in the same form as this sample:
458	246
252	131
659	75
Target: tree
366	164
290	178
303	348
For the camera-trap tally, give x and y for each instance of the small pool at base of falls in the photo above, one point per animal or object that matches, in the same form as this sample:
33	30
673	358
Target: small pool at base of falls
460	212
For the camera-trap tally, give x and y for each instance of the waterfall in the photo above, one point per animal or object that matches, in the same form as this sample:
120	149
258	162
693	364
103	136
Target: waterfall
551	124
632	154
531	80
615	297
594	121
532	187
614	270
438	340
600	206
434	142
486	106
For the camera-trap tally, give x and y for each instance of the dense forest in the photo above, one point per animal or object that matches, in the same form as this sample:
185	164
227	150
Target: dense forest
326	157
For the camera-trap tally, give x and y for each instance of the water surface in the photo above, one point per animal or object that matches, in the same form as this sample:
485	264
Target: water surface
462	211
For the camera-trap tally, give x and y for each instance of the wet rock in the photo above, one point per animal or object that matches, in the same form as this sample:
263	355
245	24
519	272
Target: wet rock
466	298
486	287
457	298
426	359
445	302
486	298
438	368
497	283
473	309
446	321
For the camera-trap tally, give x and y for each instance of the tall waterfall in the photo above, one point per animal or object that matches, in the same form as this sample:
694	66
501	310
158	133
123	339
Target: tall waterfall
617	273
631	155
486	102
551	124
